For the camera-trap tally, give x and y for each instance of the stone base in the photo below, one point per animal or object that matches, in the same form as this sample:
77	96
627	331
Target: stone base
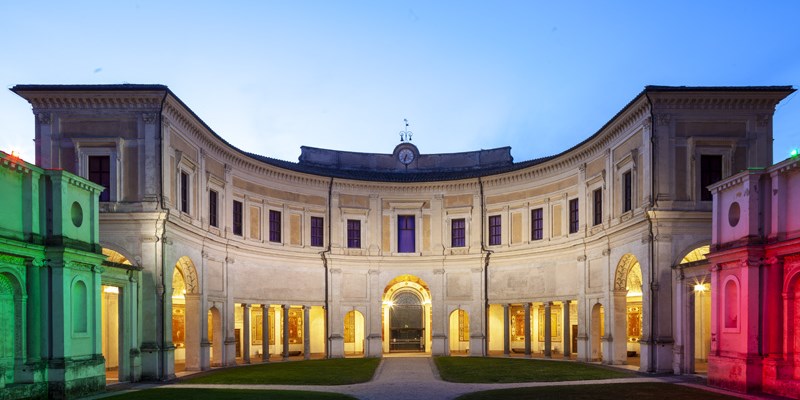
738	374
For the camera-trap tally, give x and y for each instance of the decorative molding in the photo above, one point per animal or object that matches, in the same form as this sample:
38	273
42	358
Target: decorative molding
762	119
663	119
149	118
439	271
581	258
9	259
43	118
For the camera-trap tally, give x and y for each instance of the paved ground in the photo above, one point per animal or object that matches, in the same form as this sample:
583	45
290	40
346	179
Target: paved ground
413	378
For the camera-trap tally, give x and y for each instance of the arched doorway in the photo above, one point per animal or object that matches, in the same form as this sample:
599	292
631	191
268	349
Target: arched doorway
459	332
185	316
111	315
215	336
10	325
694	263
406	315
597	332
354	333
628	326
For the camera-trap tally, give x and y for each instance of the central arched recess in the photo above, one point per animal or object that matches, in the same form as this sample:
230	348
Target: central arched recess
406	315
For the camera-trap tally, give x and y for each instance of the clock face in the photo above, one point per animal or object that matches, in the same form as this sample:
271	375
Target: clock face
406	156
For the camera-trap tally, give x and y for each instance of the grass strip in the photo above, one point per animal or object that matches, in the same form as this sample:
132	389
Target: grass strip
231	394
339	371
638	391
510	370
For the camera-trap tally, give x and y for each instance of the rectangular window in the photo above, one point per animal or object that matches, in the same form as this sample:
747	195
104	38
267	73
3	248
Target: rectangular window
537	224
627	191
184	192
573	216
317	235
237	218
212	208
495	230
710	172
274	226
353	234
598	206
100	173
405	234
458	230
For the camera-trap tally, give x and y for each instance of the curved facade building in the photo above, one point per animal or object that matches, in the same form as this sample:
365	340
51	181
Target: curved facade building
595	253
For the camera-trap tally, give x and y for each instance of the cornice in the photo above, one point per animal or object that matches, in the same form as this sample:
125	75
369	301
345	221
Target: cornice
94	101
702	101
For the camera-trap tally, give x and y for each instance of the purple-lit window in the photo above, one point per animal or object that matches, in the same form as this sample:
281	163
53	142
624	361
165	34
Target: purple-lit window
458	230
353	234
100	173
405	234
537	224
317	232
274	226
495	230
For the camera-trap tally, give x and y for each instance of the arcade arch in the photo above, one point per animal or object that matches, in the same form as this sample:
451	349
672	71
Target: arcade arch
696	292
186	316
11	329
354	333
406	315
628	311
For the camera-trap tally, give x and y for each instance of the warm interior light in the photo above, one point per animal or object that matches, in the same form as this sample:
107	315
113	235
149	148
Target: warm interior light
111	289
426	302
388	303
699	288
634	293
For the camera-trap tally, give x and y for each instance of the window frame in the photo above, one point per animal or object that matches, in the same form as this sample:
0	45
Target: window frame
458	234
240	222
184	192
627	190
537	224
573	215
597	207
401	228
353	233
275	221
213	208
705	194
316	231
110	147
495	226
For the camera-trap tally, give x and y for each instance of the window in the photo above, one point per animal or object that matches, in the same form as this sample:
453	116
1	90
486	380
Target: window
237	218
212	208
573	216
274	226
537	224
710	172
317	235
495	230
353	234
598	206
184	192
100	173
458	230
405	234
627	191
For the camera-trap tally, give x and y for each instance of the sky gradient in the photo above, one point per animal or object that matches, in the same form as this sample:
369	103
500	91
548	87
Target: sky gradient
272	76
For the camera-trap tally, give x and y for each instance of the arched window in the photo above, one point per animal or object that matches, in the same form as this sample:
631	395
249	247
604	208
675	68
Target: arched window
731	302
79	303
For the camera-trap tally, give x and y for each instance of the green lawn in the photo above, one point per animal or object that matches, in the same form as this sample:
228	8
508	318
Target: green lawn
212	394
638	391
509	370
340	371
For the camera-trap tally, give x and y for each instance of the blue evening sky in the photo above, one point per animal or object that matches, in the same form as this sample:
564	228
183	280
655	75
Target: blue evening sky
270	76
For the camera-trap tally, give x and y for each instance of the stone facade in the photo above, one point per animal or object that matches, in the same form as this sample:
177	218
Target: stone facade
583	254
755	326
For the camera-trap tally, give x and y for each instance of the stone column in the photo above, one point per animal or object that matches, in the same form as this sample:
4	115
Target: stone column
439	315
193	329
285	324
265	333
567	328
527	307
246	333
34	328
618	334
548	338
506	333
306	333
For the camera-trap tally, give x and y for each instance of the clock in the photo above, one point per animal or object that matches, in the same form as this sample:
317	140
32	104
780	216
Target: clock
406	156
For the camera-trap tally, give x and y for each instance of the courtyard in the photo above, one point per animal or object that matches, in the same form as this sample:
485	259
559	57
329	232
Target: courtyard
408	376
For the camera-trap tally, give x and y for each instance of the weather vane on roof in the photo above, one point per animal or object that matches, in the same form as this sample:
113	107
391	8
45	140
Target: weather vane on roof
406	134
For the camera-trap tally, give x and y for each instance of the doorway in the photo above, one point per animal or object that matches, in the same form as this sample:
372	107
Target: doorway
407	323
